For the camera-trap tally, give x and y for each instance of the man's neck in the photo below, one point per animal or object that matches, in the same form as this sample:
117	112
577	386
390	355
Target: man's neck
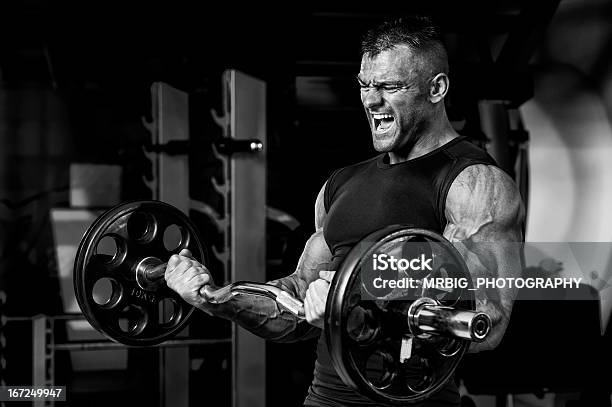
433	137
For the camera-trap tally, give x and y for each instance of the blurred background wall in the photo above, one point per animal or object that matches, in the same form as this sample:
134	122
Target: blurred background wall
569	120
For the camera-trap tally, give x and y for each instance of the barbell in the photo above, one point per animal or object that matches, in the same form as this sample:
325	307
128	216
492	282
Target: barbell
394	345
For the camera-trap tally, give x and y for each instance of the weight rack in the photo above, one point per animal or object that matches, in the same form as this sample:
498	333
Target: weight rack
44	347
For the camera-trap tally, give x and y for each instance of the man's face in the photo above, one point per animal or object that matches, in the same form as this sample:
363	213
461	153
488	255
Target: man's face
395	97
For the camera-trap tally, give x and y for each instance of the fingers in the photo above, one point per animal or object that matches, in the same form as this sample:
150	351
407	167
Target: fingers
179	269
200	276
178	263
174	260
327	275
205	291
311	311
186	253
187	276
188	273
314	302
308	309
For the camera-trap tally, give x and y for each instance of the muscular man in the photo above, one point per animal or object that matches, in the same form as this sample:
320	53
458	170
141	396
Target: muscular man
426	175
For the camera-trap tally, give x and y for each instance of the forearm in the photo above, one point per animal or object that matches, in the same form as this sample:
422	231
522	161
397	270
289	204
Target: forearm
496	302
492	261
500	317
264	317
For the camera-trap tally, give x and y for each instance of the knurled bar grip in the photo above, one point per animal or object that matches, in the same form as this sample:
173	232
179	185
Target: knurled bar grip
154	273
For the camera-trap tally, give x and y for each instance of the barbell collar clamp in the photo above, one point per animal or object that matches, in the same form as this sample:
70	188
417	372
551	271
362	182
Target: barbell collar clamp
150	272
427	317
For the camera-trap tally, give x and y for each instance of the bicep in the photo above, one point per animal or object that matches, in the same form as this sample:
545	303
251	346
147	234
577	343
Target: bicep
315	257
320	211
485	214
483	204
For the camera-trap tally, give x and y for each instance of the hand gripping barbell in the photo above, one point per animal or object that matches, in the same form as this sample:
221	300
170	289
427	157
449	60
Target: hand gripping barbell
396	346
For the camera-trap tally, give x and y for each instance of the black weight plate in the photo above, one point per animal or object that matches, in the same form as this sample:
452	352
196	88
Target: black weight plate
367	356
105	272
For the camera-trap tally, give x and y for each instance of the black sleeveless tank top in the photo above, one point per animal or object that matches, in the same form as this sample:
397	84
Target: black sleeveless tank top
368	196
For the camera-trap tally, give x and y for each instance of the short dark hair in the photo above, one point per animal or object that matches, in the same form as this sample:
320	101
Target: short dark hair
419	33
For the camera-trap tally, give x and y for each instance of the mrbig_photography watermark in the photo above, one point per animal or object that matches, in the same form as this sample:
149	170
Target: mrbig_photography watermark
410	270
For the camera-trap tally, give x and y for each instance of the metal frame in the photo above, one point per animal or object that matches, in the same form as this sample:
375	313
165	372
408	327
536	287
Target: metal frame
44	348
170	111
247	104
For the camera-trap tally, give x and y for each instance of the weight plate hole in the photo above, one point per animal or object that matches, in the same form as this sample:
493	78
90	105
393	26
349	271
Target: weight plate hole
132	320
107	247
106	292
449	347
169	312
142	227
173	237
362	326
418	374
380	369
112	249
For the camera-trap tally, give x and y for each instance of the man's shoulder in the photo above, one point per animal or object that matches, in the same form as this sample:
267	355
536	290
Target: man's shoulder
486	176
464	149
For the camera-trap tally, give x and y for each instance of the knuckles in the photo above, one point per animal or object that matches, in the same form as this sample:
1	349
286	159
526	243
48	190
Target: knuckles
319	287
186	278
205	278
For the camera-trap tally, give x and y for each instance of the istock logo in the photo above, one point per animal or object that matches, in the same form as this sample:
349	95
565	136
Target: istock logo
384	262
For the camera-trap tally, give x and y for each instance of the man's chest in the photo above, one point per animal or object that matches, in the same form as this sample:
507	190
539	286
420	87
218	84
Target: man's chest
365	204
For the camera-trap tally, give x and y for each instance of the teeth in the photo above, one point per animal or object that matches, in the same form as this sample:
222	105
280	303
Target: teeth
382	121
379	116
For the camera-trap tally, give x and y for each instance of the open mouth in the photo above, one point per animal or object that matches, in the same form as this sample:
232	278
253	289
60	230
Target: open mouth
382	122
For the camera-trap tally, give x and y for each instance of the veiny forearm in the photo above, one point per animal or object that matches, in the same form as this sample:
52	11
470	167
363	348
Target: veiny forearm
500	316
264	317
492	260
